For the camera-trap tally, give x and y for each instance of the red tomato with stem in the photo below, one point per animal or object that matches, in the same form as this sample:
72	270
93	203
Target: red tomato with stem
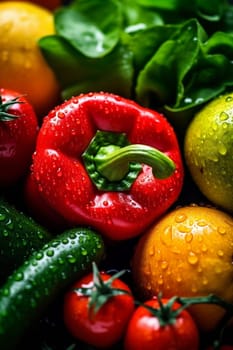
97	309
18	133
160	324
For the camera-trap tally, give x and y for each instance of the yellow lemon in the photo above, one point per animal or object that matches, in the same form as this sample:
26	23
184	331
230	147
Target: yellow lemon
208	149
22	65
188	252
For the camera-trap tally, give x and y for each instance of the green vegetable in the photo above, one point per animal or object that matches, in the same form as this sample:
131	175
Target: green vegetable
36	283
20	236
168	54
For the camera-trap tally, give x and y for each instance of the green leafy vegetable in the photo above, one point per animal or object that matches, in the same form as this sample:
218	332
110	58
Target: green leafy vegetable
166	54
91	26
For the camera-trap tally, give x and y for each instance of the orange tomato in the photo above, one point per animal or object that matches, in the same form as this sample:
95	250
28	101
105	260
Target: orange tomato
188	253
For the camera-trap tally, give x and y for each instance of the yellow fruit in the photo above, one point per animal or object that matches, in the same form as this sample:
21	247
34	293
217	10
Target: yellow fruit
208	148
22	66
188	252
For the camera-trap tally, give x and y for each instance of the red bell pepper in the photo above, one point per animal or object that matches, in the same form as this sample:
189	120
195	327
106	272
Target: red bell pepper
106	162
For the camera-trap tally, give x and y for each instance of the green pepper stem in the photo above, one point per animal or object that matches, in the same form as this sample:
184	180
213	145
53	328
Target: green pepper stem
113	162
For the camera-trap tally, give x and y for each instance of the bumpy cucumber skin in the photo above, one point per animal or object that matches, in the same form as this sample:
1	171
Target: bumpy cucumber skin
20	236
32	287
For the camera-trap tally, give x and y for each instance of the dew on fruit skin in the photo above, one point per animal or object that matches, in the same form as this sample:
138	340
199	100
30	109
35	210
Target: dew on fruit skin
166	235
204	248
194	289
175	250
164	265
205	281
189	237
178	279
221	230
223	116
160	281
152	251
228	98
201	223
192	258
222	149
180	218
220	253
218	270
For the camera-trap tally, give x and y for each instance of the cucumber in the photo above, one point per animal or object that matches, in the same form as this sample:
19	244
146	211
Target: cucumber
39	280
20	236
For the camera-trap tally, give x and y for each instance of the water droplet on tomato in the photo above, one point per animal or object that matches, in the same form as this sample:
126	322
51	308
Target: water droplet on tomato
220	253
180	218
221	230
164	265
160	281
218	269
205	281
194	289
201	223
189	237
204	248
166	236
59	172
192	258
151	251
178	279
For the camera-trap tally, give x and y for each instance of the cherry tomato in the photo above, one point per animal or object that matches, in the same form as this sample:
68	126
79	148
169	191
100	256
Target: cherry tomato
103	324
160	328
18	133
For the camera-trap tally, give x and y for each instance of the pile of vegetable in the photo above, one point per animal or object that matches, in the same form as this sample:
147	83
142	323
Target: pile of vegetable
116	211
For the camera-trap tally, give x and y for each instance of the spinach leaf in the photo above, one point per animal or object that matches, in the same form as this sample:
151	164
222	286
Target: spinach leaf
79	74
138	18
91	26
161	80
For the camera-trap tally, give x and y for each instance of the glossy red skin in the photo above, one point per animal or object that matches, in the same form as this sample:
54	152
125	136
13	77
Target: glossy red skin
63	181
40	209
106	328
17	139
144	331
